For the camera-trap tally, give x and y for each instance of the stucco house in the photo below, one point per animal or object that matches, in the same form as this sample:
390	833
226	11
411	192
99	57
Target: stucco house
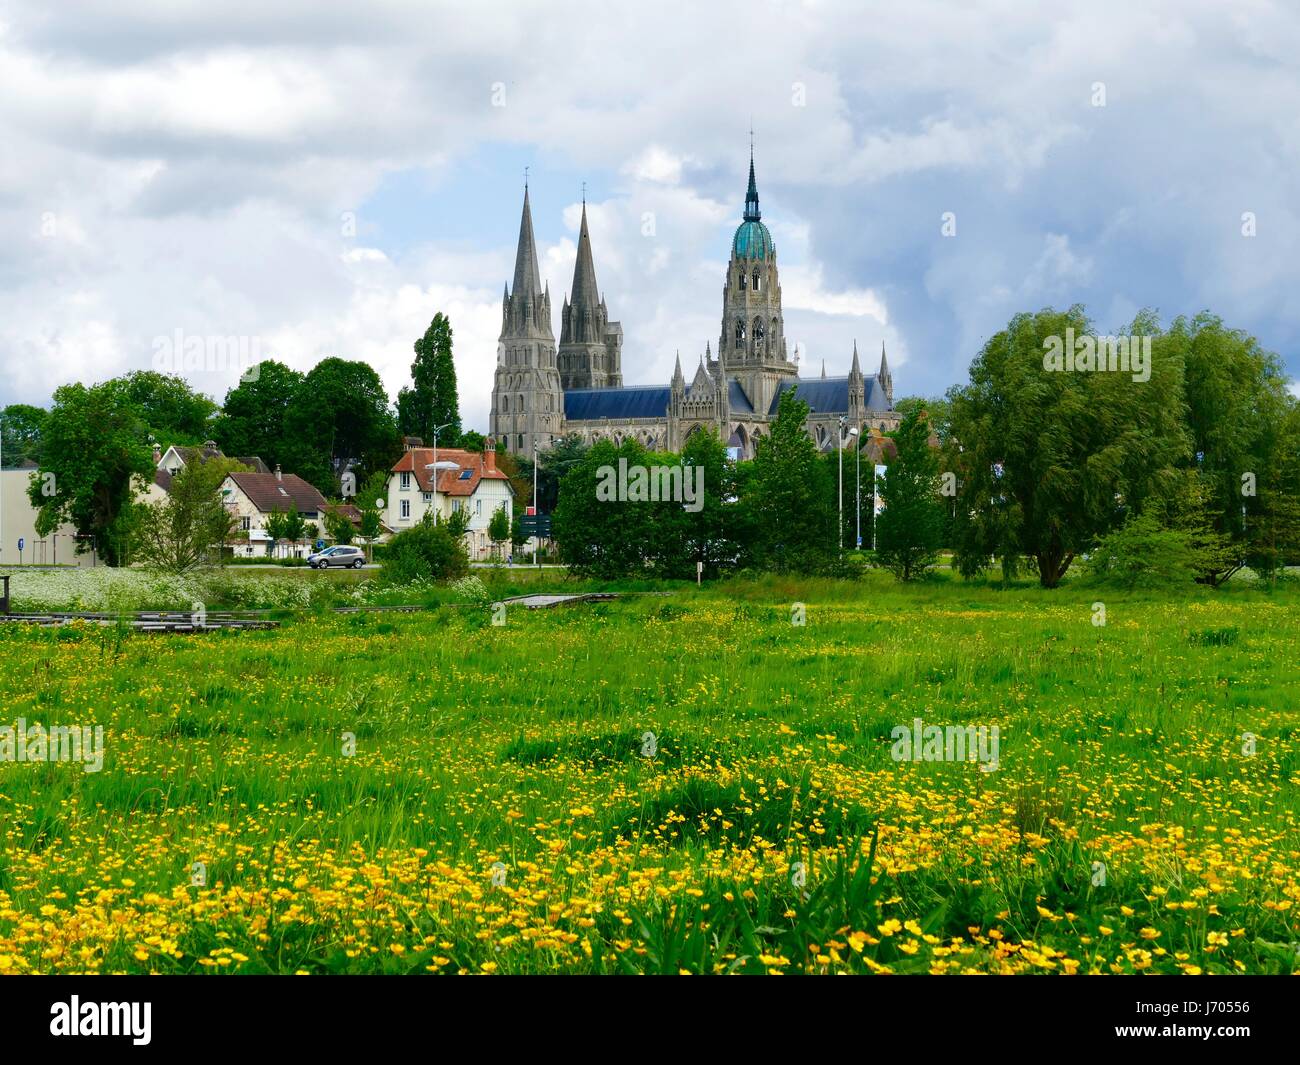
466	481
254	497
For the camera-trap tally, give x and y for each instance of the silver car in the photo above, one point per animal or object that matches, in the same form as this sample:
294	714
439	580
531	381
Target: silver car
338	555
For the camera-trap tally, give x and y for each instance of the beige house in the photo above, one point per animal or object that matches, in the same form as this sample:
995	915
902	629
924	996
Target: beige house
254	497
467	481
18	522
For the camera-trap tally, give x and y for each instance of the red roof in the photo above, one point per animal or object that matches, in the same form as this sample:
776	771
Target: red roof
269	493
450	482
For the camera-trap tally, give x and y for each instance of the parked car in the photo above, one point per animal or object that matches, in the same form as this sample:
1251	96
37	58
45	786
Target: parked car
338	555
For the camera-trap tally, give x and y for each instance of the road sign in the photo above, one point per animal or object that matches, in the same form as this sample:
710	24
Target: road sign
535	524
21	543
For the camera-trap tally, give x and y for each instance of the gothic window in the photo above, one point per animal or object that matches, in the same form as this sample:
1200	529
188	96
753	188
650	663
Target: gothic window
755	283
759	332
521	442
505	404
742	278
740	331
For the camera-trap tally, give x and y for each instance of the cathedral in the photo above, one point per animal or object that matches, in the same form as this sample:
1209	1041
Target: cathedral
543	392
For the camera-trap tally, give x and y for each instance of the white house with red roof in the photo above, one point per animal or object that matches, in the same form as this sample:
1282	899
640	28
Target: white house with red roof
467	481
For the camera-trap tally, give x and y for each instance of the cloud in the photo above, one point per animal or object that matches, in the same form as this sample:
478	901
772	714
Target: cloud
187	166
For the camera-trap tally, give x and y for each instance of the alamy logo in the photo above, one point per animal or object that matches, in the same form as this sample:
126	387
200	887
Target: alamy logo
102	1018
189	353
953	743
58	743
1087	353
651	484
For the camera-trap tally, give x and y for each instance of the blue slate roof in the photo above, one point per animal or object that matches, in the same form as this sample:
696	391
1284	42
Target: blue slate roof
831	394
737	399
636	401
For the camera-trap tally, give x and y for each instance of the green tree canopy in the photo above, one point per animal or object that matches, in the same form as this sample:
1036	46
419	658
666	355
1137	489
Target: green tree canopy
1048	460
339	414
909	529
20	434
431	400
95	445
173	412
252	420
192	523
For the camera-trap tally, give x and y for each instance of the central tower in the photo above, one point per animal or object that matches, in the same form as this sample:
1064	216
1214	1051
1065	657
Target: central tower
752	345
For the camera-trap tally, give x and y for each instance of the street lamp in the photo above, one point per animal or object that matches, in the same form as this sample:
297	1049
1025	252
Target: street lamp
537	511
436	466
844	442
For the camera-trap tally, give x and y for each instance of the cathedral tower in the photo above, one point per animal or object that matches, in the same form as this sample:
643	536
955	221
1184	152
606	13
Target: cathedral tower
527	403
590	344
752	346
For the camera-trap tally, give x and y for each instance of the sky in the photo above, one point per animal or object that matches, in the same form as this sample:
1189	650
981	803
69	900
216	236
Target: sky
318	179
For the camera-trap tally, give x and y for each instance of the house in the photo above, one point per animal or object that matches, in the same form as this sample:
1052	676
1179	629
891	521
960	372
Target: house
18	522
467	481
174	459
254	497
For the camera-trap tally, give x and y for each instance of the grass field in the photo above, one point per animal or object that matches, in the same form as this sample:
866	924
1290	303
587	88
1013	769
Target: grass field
500	812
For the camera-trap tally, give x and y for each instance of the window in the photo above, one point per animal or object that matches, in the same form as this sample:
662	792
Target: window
457	505
521	441
406	509
246	523
465	475
758	329
740	331
478	506
427	496
406	482
755	285
505	404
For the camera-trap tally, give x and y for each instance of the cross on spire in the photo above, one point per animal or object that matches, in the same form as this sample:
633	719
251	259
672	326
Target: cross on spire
584	194
525	178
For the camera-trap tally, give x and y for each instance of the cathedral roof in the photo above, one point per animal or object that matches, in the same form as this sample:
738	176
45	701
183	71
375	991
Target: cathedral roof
634	401
830	395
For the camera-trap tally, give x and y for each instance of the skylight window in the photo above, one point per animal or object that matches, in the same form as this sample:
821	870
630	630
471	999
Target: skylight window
465	475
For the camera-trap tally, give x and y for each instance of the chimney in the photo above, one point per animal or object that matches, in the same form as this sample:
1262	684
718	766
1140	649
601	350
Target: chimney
490	454
157	454
278	475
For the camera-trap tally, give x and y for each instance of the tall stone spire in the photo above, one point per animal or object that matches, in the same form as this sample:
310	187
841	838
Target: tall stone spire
857	388
527	402
584	292
590	344
886	379
528	282
752	213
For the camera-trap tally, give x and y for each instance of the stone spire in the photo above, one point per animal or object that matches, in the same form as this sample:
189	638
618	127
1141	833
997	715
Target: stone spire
590	344
857	388
886	379
823	369
752	213
584	295
528	282
855	370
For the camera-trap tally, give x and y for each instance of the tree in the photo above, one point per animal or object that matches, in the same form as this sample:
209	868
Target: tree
601	537
94	445
182	531
566	453
426	551
432	400
339	527
472	440
1245	435
173	412
21	426
287	525
791	503
1046	460
371	502
909	529
252	420
339	415
938	412
498	529
1143	553
710	530
518	538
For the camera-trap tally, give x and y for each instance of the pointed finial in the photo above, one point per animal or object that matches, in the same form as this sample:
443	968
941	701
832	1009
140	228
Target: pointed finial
525	179
584	194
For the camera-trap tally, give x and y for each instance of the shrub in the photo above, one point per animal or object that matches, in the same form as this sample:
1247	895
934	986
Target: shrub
427	550
1142	554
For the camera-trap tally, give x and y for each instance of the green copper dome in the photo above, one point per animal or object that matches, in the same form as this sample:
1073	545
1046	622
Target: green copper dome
753	241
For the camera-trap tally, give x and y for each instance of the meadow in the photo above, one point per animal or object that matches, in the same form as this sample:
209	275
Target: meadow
430	792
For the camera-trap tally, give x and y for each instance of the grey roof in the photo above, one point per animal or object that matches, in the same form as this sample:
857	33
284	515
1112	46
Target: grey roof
737	399
637	401
830	395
